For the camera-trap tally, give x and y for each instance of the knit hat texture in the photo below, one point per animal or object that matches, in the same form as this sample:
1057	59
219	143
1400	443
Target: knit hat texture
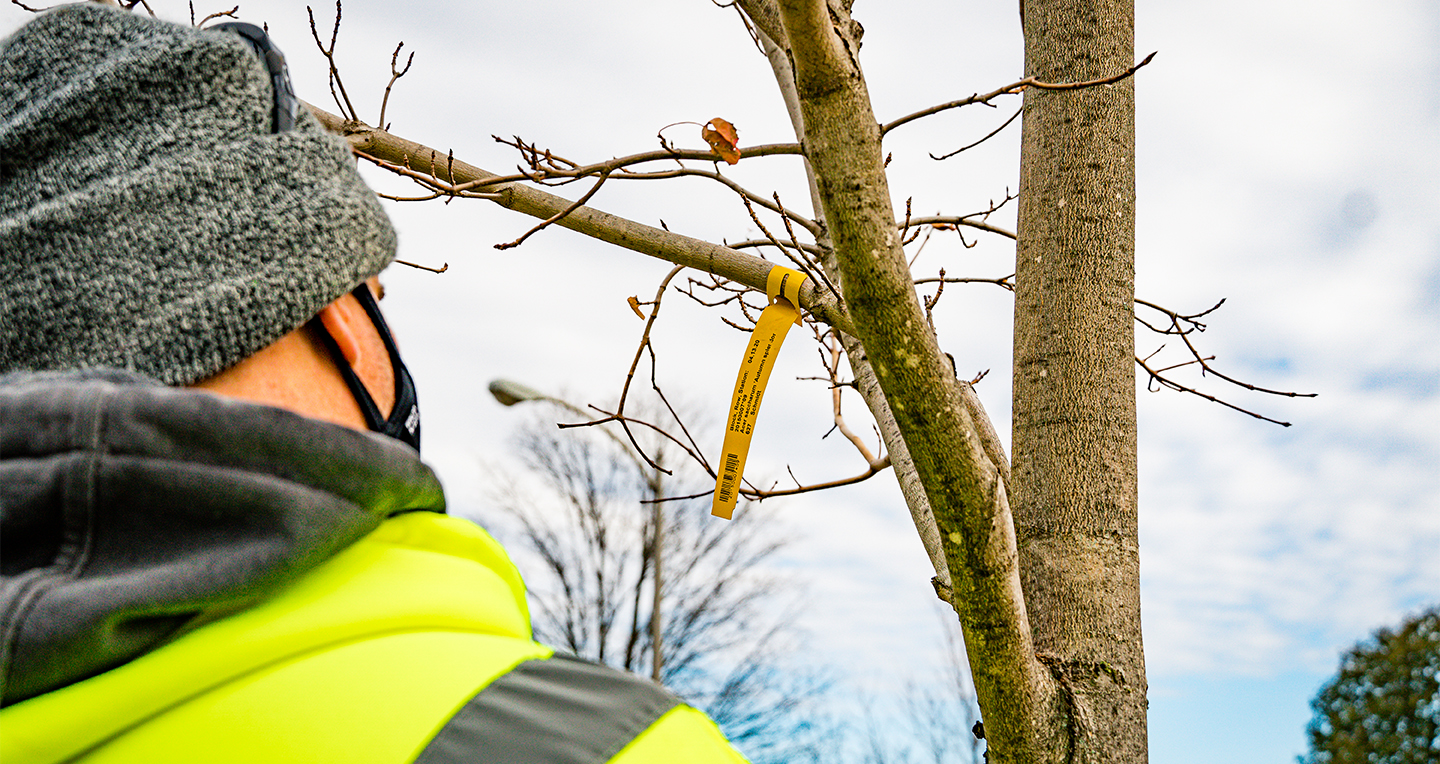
149	218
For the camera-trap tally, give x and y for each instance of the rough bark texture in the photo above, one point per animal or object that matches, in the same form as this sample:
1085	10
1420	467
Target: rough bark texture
842	144
1074	389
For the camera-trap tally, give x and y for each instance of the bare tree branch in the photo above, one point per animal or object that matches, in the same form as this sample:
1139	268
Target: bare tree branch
681	250
216	15
441	269
1007	282
760	494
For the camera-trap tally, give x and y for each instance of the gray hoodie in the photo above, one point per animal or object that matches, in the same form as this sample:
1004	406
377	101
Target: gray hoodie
131	512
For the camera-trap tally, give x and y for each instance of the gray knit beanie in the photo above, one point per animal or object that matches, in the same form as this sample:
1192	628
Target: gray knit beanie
149	218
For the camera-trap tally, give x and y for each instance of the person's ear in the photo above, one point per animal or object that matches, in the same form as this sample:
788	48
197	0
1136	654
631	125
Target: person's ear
333	317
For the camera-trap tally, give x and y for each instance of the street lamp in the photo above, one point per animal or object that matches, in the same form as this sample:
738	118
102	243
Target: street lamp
510	392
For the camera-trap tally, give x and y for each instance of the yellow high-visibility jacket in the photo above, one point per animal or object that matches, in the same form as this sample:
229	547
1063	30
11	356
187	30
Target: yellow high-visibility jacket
412	643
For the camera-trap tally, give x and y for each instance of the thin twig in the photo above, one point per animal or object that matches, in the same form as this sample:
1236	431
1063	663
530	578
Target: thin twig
831	344
754	243
987	137
1176	319
800	263
441	269
969	221
216	15
431	180
541	159
1006	282
1208	370
546	168
931	302
1156	378
694	447
394	75
1179	329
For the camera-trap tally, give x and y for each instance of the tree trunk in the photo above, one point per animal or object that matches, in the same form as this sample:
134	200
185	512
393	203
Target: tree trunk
1074	493
965	490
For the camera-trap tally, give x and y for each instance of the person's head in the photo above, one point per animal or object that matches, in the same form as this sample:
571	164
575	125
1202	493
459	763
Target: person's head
168	207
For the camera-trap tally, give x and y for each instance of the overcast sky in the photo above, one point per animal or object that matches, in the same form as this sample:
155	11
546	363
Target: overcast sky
1289	161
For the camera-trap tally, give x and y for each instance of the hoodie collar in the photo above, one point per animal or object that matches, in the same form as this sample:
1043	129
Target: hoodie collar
131	512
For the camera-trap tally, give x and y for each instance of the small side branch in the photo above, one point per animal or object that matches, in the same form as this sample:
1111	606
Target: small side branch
431	180
395	74
949	222
832	351
758	494
545	165
1179	323
977	220
987	137
418	266
1185	326
216	15
1005	282
754	243
1158	380
1014	88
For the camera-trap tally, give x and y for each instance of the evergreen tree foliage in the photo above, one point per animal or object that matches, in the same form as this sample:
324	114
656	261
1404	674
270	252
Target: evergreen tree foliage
1384	705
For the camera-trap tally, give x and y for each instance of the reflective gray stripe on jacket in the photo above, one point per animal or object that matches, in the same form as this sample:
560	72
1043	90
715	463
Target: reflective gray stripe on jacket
563	710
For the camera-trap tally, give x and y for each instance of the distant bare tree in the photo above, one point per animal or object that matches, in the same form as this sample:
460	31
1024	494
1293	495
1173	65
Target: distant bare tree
934	721
582	509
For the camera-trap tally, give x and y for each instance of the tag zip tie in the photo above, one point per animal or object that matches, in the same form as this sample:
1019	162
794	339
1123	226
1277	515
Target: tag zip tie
782	288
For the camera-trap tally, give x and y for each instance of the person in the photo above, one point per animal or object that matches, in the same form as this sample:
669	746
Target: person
218	540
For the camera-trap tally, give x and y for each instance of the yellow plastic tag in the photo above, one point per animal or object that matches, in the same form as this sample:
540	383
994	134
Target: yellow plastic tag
782	287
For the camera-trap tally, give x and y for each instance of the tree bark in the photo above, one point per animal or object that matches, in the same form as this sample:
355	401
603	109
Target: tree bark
1074	387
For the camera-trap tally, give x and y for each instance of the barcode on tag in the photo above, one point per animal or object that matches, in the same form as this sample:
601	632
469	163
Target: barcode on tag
730	477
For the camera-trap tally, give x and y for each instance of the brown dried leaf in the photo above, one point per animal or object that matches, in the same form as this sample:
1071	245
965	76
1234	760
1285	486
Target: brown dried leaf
635	305
723	138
